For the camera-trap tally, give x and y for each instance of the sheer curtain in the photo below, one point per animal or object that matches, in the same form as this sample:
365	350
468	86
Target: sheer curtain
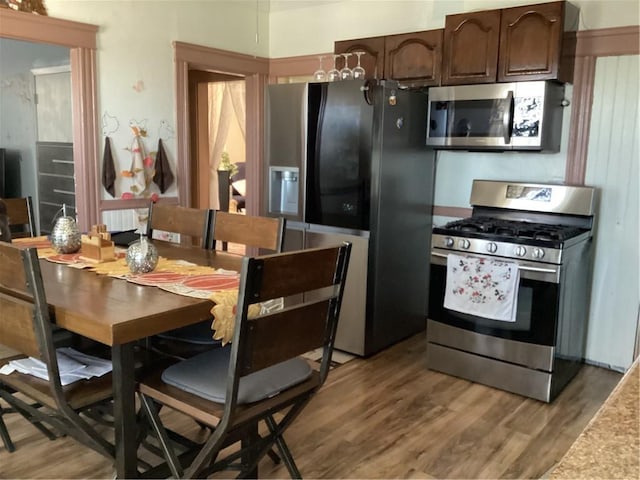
226	111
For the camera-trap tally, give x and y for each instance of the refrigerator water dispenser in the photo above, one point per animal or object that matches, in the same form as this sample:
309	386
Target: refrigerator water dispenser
283	190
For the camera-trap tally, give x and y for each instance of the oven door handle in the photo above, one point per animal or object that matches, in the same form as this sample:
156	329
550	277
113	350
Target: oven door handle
520	267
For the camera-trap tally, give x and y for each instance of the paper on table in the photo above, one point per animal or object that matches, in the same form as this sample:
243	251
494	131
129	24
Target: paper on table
73	366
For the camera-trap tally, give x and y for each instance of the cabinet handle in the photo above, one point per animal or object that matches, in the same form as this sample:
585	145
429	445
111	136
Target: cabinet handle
55	160
67	192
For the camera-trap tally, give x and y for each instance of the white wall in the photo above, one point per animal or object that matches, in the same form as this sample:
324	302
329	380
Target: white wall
612	166
135	59
303	31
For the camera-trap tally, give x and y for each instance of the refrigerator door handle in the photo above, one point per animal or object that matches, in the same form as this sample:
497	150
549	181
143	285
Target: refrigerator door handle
366	90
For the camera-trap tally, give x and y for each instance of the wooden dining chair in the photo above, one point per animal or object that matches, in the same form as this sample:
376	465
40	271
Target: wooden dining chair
265	233
260	377
192	224
22	222
261	232
27	329
4	431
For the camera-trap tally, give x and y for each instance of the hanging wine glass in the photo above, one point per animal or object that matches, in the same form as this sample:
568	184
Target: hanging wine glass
345	72
320	75
358	71
334	73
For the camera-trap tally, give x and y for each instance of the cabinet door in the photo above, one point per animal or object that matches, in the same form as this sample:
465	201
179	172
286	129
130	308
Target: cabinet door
530	42
373	59
470	51
414	59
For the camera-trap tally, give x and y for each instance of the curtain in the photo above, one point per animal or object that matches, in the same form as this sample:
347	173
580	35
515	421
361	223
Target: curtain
226	110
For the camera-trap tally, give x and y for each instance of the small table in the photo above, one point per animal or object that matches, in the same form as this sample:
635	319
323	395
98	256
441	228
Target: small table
118	313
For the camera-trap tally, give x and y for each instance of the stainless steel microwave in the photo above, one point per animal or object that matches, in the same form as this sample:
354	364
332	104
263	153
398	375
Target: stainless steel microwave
501	116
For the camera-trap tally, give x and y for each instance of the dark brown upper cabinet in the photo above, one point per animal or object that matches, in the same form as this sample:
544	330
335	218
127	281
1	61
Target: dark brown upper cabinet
531	42
511	44
373	59
414	59
470	50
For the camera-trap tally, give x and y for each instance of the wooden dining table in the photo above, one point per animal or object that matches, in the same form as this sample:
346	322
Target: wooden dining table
118	313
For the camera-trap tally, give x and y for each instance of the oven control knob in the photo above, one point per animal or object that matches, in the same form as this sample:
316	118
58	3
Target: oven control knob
537	253
492	247
464	243
520	251
448	242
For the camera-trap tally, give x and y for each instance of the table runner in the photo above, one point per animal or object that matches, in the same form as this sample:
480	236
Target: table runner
175	276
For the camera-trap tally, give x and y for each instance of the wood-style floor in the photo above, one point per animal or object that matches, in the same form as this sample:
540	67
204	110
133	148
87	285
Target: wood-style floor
384	417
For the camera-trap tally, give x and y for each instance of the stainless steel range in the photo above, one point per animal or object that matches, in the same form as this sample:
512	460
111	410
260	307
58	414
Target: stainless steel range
540	233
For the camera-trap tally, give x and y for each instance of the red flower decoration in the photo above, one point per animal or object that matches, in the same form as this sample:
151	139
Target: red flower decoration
148	162
155	197
127	196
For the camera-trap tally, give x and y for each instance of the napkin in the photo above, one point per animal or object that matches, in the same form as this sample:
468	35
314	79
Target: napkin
72	365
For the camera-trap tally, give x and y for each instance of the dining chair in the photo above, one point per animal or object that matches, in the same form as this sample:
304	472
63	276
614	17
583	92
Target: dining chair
196	224
22	222
26	328
192	223
260	377
265	233
252	231
4	432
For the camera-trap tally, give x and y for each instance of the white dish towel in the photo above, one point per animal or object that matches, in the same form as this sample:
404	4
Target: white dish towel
484	287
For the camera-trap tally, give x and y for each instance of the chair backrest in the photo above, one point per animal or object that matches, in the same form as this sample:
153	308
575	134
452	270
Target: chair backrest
253	231
25	325
21	219
194	223
267	340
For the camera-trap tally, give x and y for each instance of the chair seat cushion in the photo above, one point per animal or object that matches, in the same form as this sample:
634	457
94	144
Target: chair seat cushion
206	375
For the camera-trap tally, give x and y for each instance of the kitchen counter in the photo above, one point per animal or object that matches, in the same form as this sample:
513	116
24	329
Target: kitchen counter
609	447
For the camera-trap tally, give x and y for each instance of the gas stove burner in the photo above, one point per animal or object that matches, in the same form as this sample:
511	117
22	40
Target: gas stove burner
515	231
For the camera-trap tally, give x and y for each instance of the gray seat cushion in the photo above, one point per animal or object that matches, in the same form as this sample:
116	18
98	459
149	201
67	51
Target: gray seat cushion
205	375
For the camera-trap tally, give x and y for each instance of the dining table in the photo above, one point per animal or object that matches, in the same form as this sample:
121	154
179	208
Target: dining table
119	314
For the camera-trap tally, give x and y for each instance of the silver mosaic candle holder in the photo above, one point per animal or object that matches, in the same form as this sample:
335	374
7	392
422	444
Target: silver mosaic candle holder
142	256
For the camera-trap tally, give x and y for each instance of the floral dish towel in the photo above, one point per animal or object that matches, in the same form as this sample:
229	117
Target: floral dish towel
484	287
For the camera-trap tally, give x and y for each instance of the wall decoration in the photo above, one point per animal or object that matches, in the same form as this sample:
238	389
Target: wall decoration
141	171
140	125
31	6
166	132
110	124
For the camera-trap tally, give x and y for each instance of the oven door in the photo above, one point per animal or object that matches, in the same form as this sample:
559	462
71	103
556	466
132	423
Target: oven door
537	307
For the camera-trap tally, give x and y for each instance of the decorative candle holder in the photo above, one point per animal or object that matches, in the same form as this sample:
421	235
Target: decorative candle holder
65	236
142	256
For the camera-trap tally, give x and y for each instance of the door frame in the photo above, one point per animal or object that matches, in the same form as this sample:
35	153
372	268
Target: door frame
255	70
80	38
199	130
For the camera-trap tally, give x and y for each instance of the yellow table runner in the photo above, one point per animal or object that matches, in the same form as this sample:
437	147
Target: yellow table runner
176	276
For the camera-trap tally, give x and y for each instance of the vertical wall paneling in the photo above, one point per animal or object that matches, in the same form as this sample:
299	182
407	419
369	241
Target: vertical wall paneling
120	220
612	166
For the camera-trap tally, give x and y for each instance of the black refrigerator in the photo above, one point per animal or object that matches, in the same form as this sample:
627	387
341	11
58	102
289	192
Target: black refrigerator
348	161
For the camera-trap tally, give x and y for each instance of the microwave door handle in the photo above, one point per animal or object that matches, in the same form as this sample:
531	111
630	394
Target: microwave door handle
507	118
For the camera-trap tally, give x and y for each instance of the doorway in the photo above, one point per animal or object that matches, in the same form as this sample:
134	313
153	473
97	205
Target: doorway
254	71
217	114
